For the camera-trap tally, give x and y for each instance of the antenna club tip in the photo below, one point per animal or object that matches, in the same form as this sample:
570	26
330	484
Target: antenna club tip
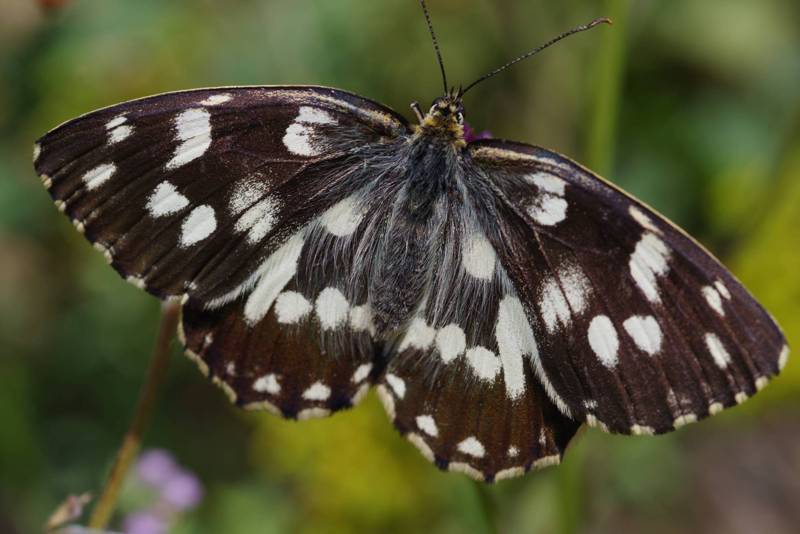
602	20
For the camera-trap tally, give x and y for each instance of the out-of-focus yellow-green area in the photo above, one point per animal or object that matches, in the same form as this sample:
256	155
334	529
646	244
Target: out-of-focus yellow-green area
707	131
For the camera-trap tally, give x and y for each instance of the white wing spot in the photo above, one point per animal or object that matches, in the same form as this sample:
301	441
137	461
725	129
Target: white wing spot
116	121
332	308
312	413
267	384
246	193
387	400
547	183
317	392
397	384
576	287
103	250
604	341
118	130
291	307
427	425
683	420
649	261
258	220
314	116
484	363
643	220
511	472
165	200
548	210
478	257
553	305
783	359
37	151
645	332
451	342
514	340
723	290
136	281
99	175
642	430
465	469
557	302
215	100
298	134
419	335
277	270
717	350
362	372
714	299
761	382
298	140
343	218
194	133
472	447
419	442
513	452
200	224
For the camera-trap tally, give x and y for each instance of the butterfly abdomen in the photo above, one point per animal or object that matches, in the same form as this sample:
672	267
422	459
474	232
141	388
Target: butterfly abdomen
414	233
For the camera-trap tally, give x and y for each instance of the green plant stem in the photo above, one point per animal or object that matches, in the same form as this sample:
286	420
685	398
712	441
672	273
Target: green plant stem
600	157
488	509
608	75
104	508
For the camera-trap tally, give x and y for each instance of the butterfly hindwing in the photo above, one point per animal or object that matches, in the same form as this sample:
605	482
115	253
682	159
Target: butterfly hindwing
189	192
640	330
300	341
288	368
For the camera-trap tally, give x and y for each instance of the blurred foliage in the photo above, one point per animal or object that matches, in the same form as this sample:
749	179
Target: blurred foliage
704	98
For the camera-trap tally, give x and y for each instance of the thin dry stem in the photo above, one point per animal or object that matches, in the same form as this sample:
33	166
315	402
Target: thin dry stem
104	509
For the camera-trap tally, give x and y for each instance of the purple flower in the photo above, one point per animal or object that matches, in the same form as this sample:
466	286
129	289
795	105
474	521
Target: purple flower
156	467
182	491
144	523
173	490
471	135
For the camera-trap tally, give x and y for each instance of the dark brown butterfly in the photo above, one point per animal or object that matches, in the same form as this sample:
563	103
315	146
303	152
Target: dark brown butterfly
497	294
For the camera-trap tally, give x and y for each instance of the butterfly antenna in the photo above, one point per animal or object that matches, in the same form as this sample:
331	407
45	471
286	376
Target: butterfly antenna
536	50
435	43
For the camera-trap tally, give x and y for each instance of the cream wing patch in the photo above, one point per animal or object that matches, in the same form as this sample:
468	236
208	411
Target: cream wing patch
299	138
193	133
549	207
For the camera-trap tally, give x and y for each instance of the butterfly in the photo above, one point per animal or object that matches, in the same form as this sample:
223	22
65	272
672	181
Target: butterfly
497	295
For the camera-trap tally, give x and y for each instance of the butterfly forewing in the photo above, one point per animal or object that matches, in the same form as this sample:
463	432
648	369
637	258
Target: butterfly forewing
189	192
639	329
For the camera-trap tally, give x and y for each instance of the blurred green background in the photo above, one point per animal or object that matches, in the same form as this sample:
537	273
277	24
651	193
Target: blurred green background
694	106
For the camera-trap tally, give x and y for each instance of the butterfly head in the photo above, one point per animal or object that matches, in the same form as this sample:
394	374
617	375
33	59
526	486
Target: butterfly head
445	117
